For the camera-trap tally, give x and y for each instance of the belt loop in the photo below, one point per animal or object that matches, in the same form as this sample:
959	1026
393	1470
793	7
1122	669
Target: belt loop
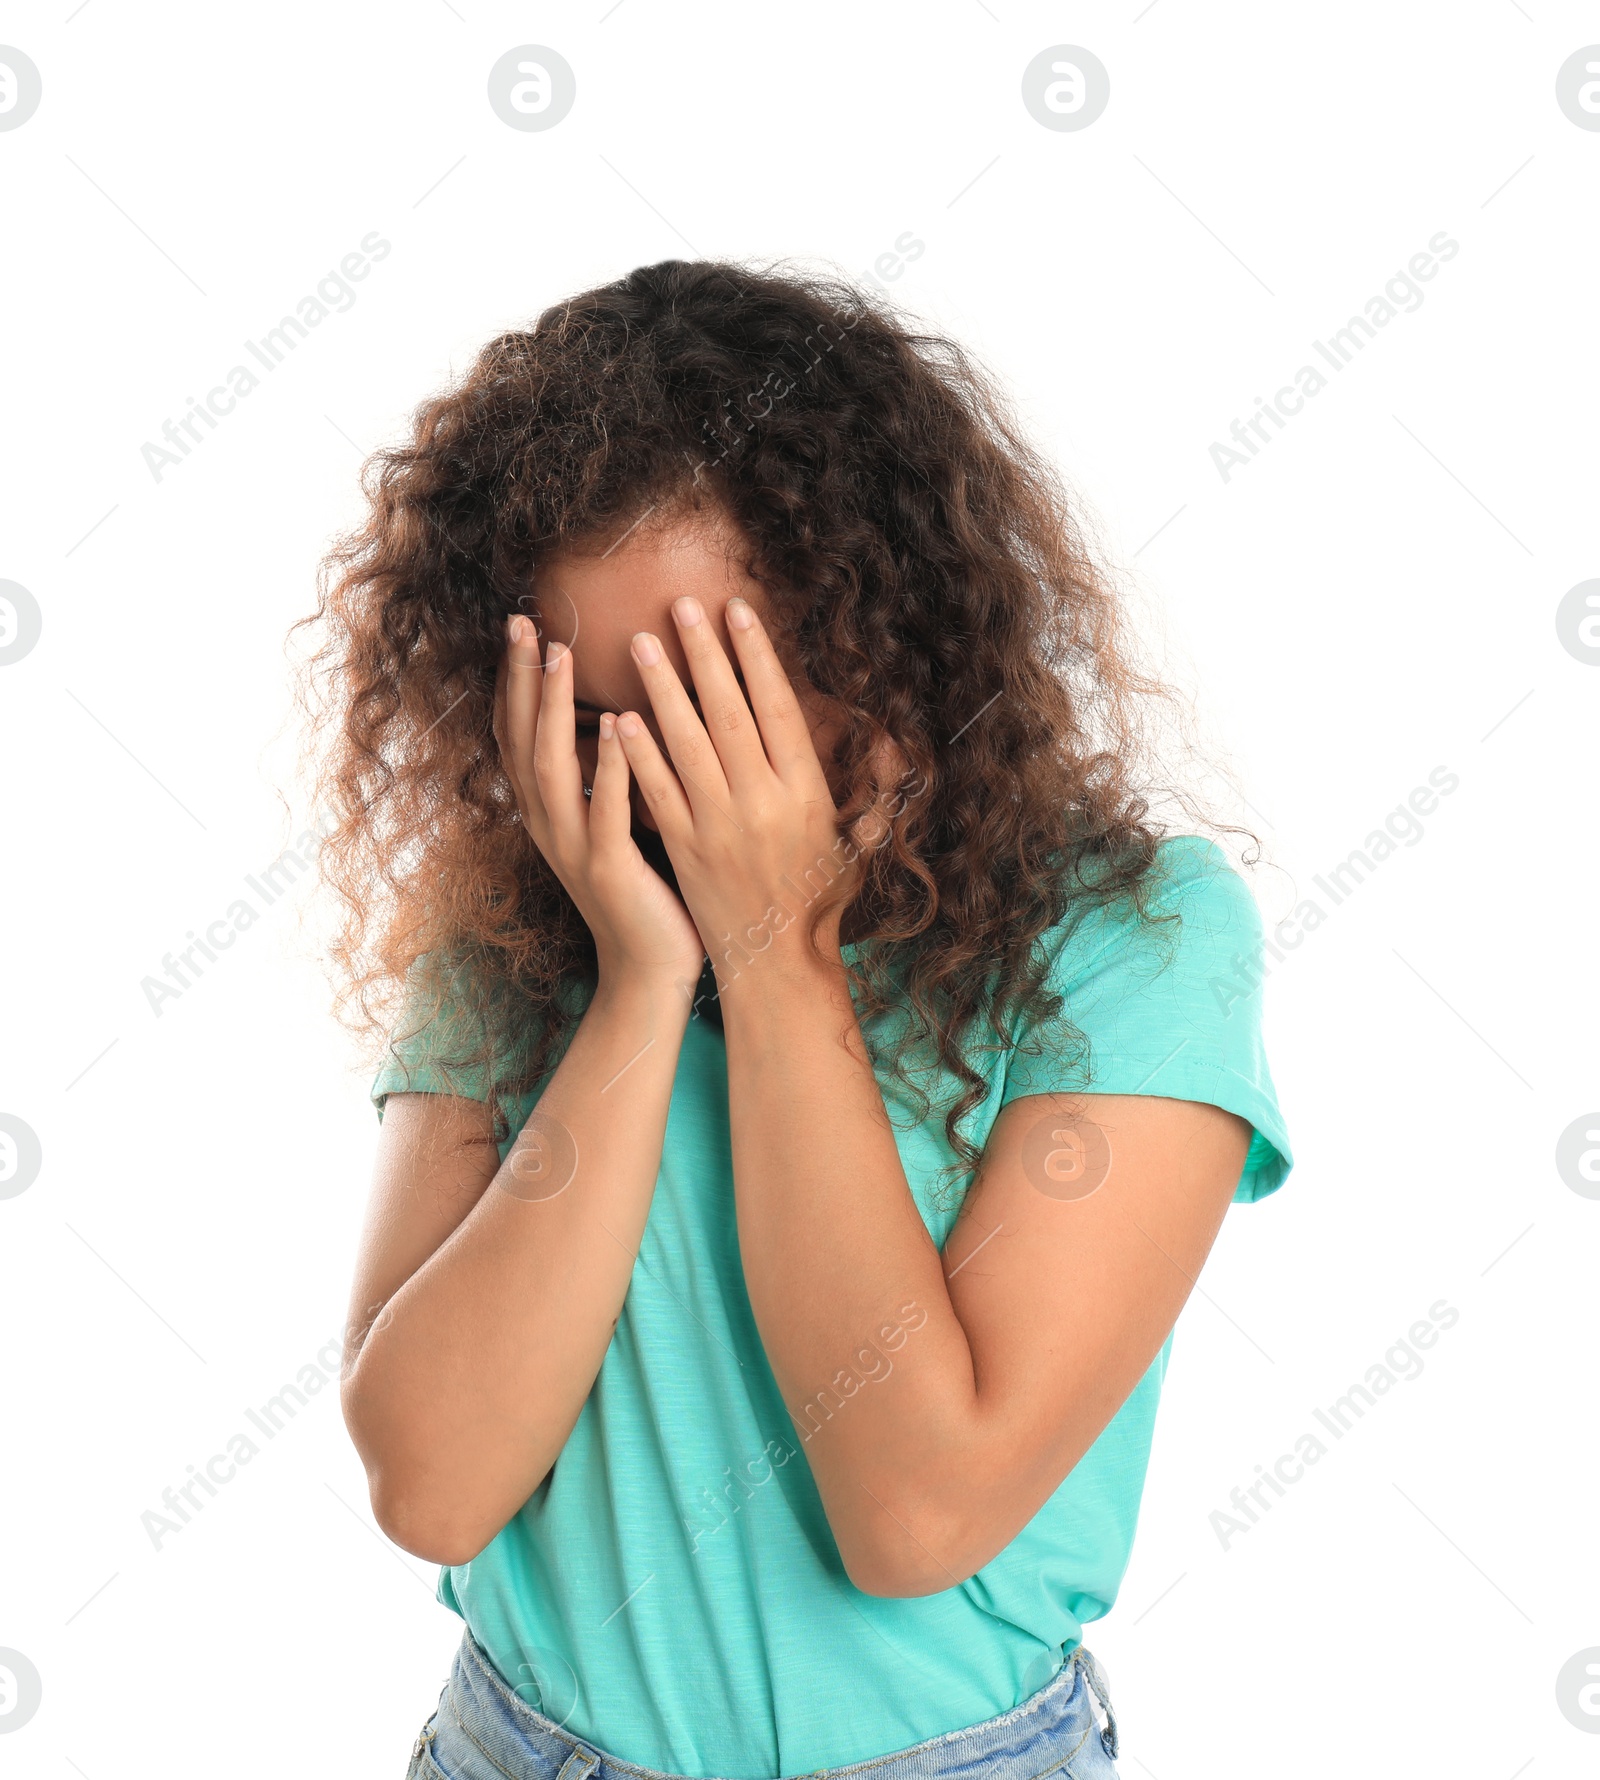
578	1766
1098	1685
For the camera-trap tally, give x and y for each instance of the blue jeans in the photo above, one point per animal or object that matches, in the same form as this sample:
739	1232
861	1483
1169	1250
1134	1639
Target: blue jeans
482	1731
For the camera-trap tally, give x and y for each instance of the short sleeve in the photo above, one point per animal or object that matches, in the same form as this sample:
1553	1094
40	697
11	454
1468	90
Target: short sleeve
1169	1008
437	1048
442	1043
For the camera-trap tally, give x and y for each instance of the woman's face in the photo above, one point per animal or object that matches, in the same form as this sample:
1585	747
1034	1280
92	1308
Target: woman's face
597	602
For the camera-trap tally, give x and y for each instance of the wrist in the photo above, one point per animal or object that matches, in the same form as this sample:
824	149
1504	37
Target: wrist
655	992
752	983
780	942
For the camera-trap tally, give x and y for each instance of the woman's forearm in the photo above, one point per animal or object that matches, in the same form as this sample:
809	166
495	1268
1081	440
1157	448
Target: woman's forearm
940	1405
836	1257
470	1380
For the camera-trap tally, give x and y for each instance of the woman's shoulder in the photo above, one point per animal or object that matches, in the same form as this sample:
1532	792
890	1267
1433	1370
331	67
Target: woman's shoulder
1166	990
1190	864
454	1034
1193	877
1190	896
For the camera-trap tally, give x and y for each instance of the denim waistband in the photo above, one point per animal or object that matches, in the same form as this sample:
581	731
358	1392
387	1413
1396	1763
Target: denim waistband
482	1728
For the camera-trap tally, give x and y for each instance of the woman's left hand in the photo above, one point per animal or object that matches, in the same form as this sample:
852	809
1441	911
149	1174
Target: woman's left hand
747	817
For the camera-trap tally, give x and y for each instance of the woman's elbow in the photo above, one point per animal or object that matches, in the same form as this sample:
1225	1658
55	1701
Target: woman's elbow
423	1515
904	1561
900	1582
423	1528
431	1495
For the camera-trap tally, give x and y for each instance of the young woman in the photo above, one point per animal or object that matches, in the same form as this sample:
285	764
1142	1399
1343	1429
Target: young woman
818	1082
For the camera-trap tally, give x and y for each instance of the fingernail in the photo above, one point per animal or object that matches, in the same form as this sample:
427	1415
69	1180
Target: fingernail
521	629
646	650
608	725
687	610
628	725
555	655
738	613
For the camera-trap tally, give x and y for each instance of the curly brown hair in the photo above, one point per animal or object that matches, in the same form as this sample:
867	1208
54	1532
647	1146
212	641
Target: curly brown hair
926	572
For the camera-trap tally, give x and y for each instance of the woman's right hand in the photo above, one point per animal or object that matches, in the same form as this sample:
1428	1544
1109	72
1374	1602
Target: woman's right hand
640	925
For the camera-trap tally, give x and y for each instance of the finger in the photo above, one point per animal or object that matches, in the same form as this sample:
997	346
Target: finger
610	816
519	718
784	729
658	784
724	712
687	742
497	709
555	751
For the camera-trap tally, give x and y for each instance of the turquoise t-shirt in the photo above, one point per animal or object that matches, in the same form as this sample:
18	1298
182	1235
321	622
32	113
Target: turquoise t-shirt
671	1592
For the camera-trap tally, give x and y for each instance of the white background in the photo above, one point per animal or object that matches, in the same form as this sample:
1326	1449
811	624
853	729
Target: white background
1372	597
